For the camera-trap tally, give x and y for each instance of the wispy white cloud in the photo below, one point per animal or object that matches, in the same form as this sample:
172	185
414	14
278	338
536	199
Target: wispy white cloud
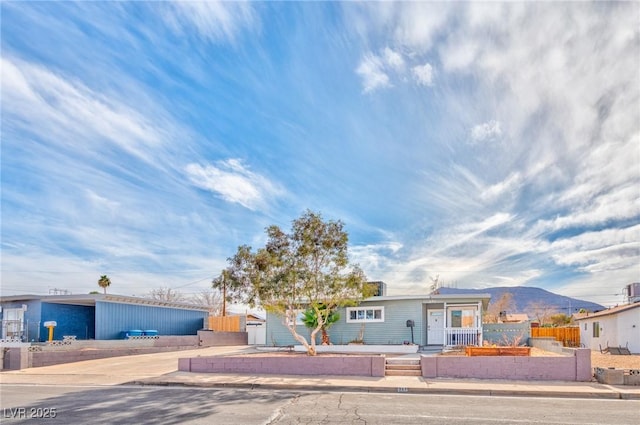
68	111
423	74
380	71
234	182
213	20
599	251
372	72
393	59
486	132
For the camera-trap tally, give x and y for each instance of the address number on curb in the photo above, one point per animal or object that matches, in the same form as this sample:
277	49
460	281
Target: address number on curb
403	389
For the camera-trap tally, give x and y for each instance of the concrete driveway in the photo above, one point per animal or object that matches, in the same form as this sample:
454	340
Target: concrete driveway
113	370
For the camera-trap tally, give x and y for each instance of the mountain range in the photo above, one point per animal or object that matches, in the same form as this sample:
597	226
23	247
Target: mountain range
524	297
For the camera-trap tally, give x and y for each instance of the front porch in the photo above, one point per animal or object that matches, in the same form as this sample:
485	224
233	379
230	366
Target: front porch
462	337
452	324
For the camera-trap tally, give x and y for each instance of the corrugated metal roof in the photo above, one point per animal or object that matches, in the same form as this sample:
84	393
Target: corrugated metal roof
91	299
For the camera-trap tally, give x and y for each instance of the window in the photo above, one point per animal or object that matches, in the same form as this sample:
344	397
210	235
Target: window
462	318
596	329
365	314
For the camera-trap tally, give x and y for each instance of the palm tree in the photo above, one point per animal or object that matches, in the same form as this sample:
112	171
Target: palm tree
310	320
104	282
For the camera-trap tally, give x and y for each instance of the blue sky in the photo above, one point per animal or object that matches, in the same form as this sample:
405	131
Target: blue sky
488	144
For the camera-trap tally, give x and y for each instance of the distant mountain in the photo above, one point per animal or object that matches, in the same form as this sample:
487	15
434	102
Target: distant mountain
524	296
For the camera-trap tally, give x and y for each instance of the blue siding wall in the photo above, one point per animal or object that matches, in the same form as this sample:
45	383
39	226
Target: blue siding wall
393	330
31	317
77	320
113	318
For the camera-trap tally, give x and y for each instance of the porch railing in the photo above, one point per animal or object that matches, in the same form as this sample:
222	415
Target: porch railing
461	337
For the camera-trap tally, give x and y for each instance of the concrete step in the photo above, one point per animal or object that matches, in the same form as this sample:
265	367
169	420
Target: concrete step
403	373
402	367
403	363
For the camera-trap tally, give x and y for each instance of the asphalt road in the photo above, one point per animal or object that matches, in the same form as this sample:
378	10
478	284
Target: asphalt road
182	405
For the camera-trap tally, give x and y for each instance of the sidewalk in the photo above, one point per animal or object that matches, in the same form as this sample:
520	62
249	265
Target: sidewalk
398	384
161	369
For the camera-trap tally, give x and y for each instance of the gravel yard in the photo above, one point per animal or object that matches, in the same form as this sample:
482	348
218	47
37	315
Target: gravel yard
620	362
597	359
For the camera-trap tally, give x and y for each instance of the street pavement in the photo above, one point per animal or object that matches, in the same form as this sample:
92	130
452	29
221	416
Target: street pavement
161	369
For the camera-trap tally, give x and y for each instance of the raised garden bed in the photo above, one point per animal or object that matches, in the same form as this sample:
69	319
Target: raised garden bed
497	351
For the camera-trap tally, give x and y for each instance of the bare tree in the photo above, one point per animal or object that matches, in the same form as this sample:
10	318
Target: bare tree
434	284
541	311
499	307
166	294
210	298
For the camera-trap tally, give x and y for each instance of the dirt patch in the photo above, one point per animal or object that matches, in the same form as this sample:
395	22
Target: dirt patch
535	352
619	362
597	359
300	354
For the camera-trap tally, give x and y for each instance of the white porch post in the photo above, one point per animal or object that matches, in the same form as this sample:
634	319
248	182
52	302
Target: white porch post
480	343
446	326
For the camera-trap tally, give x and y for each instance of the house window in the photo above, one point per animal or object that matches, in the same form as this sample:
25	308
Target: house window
462	318
596	329
585	326
365	314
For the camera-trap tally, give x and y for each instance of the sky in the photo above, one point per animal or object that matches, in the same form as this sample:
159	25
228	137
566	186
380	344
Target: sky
480	144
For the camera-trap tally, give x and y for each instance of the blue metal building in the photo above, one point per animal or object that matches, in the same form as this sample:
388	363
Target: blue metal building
96	316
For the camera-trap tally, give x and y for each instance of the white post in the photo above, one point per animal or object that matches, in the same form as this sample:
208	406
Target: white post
479	324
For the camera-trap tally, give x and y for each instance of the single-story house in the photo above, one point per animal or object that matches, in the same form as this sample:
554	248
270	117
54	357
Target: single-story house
614	327
513	318
95	316
434	320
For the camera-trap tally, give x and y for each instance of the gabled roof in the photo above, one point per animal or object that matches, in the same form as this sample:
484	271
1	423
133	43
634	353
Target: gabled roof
613	310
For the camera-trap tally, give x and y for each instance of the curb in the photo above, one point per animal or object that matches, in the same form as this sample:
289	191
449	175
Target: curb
612	395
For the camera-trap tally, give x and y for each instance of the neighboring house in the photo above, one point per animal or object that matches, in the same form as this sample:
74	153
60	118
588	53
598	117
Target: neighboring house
440	320
256	329
95	316
513	318
617	326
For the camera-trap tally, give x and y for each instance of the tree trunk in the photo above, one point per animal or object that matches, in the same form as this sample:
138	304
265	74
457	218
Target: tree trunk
325	337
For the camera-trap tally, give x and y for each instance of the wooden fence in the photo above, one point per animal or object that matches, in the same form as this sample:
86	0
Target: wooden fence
224	323
569	336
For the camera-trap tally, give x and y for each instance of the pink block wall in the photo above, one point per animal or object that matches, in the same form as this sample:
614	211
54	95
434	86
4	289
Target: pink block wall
570	368
289	365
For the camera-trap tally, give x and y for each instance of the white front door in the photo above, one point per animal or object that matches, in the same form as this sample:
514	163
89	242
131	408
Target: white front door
435	327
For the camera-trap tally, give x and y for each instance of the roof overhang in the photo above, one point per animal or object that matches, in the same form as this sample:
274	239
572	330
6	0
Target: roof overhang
90	300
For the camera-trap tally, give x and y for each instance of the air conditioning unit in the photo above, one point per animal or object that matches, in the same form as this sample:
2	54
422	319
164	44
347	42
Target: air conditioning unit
633	292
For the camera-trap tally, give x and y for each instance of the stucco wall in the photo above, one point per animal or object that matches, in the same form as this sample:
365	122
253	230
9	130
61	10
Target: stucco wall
23	357
294	364
620	329
216	338
571	368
